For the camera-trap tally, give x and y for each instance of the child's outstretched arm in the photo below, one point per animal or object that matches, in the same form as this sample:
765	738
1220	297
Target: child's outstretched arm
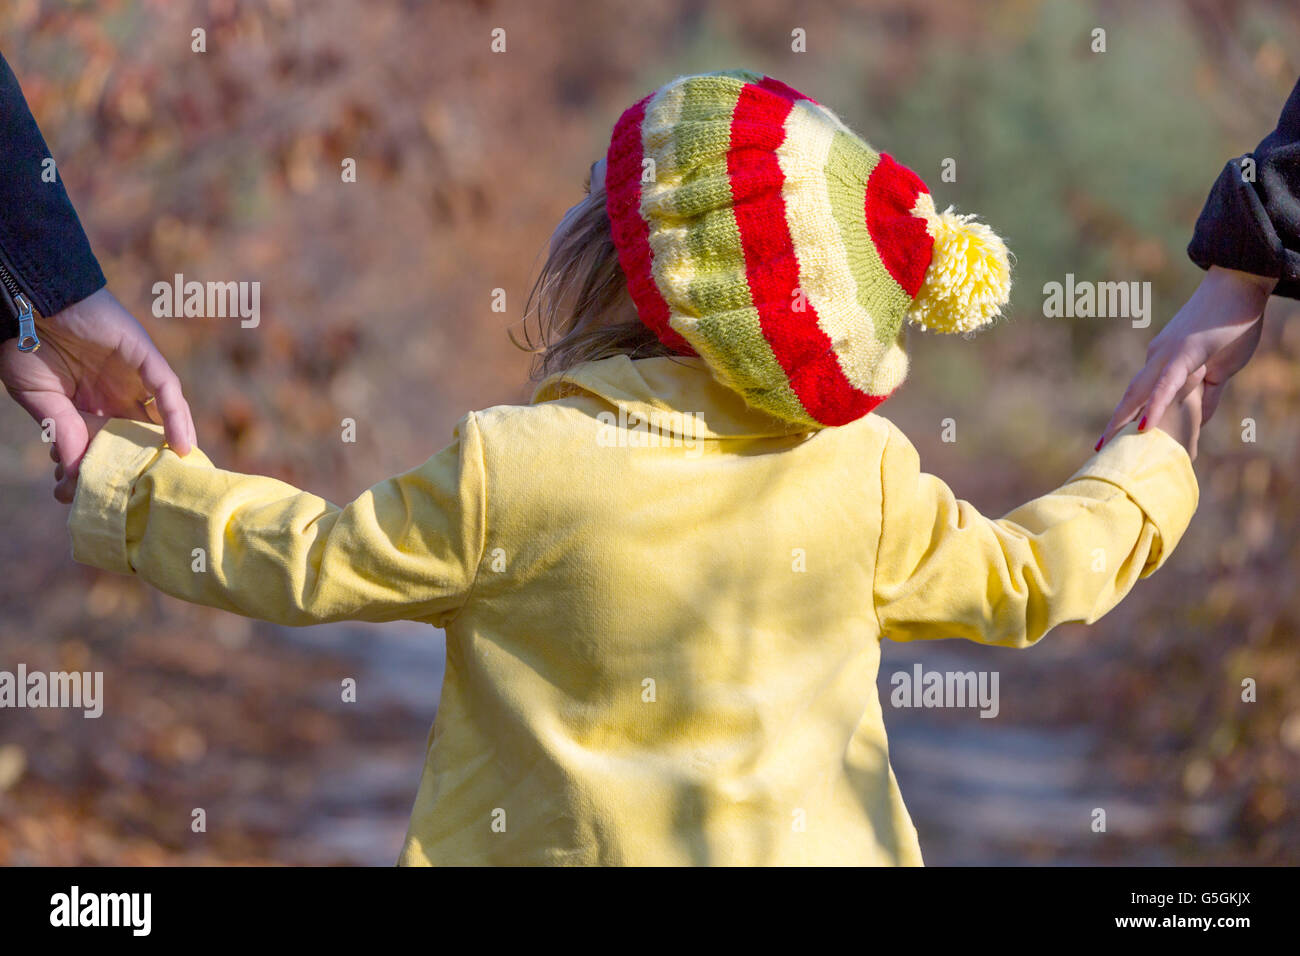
407	548
945	570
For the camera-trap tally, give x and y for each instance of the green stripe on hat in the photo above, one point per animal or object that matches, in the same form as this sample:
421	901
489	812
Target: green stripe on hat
847	171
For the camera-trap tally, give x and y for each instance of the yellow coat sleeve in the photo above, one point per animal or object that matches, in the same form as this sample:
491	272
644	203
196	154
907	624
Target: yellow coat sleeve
944	570
407	548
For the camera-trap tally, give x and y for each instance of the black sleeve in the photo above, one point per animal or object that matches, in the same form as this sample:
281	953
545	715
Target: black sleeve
41	240
1255	226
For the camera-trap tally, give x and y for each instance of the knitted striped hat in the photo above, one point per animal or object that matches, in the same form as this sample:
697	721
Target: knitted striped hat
757	231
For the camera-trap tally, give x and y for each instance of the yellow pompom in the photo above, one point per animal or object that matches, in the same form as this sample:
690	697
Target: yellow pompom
969	278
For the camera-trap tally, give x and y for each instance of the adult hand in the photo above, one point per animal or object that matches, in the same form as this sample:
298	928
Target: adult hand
95	358
1216	330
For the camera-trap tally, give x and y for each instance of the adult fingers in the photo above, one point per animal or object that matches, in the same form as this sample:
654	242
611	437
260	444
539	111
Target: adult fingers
174	411
150	409
1135	396
1170	382
1210	400
1195	409
65	489
69	431
1195	378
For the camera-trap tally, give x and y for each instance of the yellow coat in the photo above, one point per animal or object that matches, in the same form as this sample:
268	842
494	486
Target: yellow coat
662	639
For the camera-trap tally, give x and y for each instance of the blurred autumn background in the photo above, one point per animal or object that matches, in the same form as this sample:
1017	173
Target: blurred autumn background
377	306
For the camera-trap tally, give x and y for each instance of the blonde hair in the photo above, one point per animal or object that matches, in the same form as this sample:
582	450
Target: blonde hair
580	300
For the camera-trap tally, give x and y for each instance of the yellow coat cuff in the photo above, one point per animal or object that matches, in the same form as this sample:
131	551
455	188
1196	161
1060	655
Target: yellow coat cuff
120	453
1154	470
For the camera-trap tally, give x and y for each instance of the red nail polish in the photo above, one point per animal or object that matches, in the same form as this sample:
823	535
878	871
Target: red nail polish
1142	424
1097	447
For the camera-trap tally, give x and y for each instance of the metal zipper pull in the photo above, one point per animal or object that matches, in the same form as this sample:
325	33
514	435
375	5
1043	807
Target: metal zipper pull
27	338
28	341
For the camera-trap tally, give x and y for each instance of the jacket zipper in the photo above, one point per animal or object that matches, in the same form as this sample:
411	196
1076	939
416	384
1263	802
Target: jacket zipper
27	338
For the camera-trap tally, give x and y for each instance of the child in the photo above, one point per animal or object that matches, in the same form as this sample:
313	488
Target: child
664	582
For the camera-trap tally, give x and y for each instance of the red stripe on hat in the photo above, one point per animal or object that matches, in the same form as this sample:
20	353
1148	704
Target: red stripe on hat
904	245
802	349
789	92
630	231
